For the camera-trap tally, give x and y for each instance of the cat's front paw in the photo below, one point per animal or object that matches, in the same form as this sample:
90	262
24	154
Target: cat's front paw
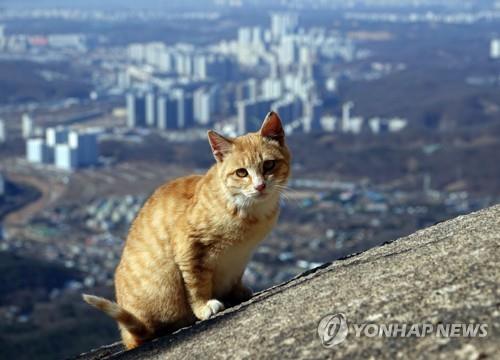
209	309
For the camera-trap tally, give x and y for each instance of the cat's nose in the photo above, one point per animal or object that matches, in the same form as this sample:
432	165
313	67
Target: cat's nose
260	187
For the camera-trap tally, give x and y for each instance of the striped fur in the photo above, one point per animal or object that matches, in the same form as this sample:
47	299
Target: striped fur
188	247
132	324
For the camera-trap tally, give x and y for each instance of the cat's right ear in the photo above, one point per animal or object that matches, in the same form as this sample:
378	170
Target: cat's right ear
220	145
272	128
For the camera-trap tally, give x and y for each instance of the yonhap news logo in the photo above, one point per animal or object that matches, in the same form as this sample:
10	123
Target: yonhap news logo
334	328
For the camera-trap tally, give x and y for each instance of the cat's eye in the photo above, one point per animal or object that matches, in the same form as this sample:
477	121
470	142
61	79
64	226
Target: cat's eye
242	173
269	165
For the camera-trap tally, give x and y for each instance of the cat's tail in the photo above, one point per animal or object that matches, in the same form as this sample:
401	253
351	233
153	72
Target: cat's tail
128	320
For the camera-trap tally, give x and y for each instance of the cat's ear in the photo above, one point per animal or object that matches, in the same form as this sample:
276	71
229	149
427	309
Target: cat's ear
220	145
272	128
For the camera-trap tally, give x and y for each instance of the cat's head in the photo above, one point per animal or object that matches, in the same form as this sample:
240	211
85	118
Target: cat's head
256	166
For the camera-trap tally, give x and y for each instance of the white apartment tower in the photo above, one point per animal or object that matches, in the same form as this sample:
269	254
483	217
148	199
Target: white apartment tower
495	49
3	131
28	128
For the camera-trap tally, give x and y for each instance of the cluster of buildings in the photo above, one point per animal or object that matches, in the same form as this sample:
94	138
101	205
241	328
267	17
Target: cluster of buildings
465	16
20	43
379	212
64	148
108	214
182	60
175	87
347	123
179	108
285	68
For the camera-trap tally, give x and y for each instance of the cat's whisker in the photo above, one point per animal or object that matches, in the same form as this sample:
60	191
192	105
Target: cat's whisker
286	197
288	192
287	188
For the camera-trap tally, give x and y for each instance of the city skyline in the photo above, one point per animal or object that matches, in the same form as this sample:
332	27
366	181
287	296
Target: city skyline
391	111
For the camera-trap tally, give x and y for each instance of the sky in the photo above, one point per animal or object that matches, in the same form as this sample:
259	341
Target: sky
152	4
100	3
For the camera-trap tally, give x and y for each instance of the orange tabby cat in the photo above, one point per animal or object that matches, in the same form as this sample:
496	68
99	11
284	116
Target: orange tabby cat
190	243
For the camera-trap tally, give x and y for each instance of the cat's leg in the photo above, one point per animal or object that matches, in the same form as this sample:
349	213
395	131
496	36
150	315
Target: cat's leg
198	276
239	293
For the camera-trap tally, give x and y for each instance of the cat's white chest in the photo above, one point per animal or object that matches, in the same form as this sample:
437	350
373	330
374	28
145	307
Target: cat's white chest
230	266
232	262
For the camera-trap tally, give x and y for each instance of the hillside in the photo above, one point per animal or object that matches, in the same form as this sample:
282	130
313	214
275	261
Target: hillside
445	274
38	319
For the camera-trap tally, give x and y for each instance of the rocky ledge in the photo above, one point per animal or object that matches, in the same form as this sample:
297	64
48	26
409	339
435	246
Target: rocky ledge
439	277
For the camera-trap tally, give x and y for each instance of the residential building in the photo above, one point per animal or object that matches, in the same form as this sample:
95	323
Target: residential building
3	131
136	110
28	127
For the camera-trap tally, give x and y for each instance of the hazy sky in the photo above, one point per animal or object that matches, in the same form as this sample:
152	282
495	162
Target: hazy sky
106	4
102	3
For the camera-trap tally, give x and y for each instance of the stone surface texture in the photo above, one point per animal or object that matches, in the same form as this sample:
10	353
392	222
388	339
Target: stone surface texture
448	273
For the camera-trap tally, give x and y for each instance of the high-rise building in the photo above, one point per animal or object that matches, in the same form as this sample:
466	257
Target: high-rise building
28	127
349	123
150	102
305	55
272	88
283	24
288	51
313	112
183	63
247	90
167	113
67	150
136	52
2	187
38	152
495	49
66	157
203	106
220	68
136	110
185	113
346	116
257	39
153	54
200	68
86	146
165	62
3	131
244	36
251	114
58	135
250	36
290	108
3	39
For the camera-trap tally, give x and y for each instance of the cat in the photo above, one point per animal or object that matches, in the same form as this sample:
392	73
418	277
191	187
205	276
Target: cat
188	247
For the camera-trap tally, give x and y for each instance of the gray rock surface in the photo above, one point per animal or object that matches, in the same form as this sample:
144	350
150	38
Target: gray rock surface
448	273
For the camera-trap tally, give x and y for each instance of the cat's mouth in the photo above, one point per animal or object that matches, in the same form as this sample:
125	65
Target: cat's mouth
258	195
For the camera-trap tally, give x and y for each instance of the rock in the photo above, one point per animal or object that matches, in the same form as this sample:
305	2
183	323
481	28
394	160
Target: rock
446	274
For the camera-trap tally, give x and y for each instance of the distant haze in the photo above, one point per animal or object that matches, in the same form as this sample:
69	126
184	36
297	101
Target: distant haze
194	4
102	4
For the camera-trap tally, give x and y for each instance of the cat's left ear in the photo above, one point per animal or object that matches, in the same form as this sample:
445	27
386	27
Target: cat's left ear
272	128
220	145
